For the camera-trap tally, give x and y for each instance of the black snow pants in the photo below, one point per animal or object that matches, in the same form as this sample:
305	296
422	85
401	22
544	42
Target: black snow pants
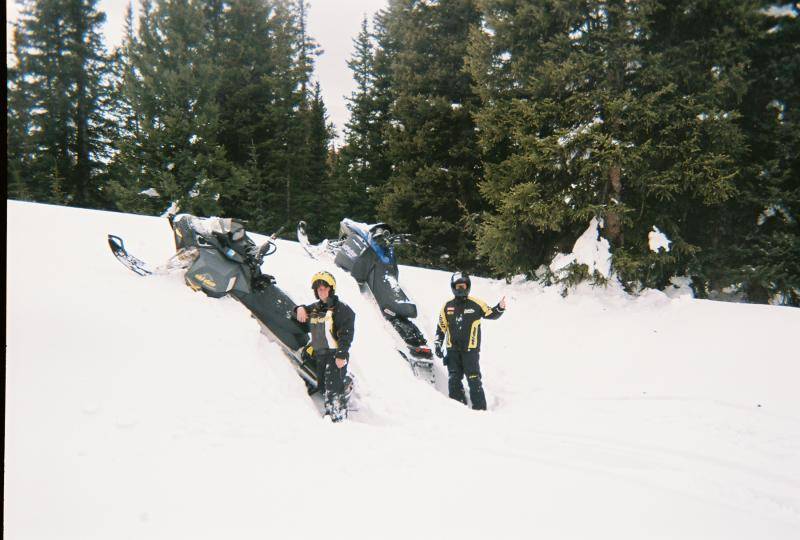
331	382
459	364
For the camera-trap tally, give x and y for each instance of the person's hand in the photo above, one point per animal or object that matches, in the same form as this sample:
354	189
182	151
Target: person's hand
437	349
341	362
502	303
301	314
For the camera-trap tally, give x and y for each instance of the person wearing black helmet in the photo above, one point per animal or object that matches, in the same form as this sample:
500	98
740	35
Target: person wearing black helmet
460	325
331	323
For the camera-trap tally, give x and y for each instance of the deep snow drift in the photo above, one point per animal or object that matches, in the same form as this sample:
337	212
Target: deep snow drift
136	408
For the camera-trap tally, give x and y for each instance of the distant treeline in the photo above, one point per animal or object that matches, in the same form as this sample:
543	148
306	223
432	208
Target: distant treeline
493	131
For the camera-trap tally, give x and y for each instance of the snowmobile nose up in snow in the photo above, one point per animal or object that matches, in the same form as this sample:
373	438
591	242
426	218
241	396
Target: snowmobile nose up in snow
219	263
367	253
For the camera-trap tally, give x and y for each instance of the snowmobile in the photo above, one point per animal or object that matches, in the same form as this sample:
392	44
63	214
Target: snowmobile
367	253
220	260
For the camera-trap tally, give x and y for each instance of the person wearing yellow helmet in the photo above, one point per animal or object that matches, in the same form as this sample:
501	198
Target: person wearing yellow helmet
331	323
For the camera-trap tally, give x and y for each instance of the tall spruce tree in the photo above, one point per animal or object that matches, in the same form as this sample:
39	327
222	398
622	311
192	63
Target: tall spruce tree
258	99
18	128
432	190
626	111
551	77
59	127
764	231
173	154
695	151
319	198
266	108
310	136
362	166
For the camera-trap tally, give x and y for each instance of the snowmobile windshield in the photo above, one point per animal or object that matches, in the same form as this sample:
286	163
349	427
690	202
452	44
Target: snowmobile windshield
382	249
377	242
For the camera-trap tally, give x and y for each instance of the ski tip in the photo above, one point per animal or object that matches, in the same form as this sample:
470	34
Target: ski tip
115	243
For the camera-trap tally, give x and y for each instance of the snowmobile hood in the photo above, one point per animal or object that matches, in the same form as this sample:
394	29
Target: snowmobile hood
373	235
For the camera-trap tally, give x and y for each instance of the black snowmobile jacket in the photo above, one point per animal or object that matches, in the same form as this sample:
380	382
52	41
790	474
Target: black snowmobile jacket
460	323
331	325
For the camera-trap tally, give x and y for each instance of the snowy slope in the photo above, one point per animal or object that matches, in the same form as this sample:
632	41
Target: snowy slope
136	408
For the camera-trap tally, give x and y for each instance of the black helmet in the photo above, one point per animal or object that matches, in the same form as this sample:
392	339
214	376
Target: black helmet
460	277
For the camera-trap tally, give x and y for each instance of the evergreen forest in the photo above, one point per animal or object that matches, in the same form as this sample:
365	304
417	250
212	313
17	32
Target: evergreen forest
491	131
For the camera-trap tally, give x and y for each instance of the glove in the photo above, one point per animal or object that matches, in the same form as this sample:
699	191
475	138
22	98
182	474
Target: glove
437	349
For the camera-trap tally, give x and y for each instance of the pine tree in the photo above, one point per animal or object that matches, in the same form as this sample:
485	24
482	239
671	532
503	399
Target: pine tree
764	232
55	103
315	198
266	59
310	136
625	111
127	123
19	126
701	57
254	97
173	154
361	164
432	190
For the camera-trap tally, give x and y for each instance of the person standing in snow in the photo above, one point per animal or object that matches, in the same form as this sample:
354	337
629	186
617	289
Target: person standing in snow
331	323
460	324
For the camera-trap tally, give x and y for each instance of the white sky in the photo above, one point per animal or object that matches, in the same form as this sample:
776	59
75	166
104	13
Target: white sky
333	23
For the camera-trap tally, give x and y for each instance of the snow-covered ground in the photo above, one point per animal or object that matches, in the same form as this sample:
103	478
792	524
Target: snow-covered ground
136	408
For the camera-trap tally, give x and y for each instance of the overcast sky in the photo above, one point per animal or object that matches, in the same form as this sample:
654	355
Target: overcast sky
333	23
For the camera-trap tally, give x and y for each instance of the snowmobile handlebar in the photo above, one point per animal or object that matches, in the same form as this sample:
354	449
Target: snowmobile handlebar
269	247
393	239
400	239
265	250
274	235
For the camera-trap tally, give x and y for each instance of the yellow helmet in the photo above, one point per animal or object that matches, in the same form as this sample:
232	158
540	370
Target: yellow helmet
324	277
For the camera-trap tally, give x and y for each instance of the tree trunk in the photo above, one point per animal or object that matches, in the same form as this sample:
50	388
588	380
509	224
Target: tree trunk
613	224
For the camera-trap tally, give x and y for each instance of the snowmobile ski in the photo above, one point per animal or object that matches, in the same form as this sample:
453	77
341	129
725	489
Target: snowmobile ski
421	367
180	261
326	248
132	263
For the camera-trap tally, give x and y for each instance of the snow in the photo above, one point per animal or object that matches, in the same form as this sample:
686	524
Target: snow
658	240
679	287
564	140
590	249
780	109
778	11
773	211
171	210
136	408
